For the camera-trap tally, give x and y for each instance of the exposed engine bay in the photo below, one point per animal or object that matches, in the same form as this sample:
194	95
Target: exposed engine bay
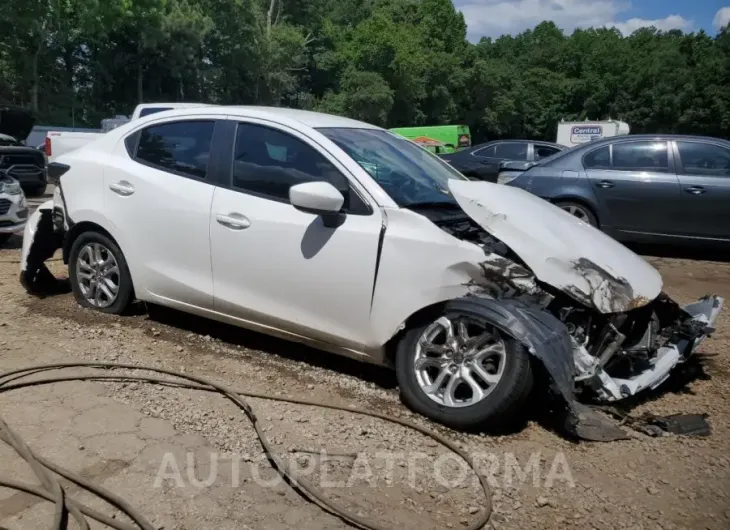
615	355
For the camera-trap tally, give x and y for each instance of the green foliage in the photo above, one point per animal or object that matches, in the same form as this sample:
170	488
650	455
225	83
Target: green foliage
389	62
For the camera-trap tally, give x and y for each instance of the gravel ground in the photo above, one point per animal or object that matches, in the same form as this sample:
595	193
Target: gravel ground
539	480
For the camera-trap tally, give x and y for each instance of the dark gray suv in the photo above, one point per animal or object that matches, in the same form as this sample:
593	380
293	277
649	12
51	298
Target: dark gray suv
641	188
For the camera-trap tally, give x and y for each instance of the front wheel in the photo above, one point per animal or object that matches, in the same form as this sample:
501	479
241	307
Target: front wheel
99	274
461	371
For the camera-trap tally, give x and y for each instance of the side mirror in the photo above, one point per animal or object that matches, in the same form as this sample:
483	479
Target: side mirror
320	198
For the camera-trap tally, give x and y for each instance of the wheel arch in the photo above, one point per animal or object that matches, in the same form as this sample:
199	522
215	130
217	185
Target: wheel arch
421	316
90	226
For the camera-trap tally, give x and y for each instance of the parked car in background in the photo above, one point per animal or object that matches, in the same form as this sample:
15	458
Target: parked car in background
13	208
382	252
25	164
482	162
59	142
641	188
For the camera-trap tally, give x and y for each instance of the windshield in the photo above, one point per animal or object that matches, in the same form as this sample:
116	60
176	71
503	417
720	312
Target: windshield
408	173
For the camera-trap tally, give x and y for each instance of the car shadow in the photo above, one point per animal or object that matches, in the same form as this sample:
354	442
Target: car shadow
378	375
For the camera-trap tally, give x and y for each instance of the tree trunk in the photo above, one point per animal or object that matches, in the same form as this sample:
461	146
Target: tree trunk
35	80
140	82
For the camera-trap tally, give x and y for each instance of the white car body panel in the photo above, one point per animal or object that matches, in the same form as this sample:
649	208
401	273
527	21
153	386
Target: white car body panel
424	265
560	249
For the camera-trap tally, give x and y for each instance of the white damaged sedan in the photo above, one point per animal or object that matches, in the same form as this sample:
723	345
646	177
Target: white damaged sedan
346	237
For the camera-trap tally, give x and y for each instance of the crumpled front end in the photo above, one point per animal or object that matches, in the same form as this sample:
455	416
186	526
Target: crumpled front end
623	335
637	351
42	236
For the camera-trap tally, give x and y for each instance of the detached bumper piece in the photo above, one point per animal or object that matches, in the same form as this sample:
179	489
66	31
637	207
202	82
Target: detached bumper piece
40	242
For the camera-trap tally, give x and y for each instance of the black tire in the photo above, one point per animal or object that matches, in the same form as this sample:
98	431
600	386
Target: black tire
586	214
35	191
499	409
126	289
4	238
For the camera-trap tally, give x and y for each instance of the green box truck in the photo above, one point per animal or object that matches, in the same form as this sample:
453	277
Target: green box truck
438	139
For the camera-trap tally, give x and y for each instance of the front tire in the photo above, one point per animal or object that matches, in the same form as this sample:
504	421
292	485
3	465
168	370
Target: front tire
459	370
99	274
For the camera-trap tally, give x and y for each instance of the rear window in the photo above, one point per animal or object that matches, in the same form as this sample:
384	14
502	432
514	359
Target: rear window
181	147
151	110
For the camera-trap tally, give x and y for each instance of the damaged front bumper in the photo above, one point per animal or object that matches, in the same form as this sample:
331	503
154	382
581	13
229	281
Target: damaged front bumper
42	237
698	323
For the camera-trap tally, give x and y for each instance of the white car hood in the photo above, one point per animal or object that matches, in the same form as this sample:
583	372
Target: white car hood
560	249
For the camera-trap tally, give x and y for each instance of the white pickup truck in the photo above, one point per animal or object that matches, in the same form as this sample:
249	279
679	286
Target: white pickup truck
60	142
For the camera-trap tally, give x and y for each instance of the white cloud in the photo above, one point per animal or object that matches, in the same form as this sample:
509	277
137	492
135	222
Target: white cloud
497	17
722	18
664	24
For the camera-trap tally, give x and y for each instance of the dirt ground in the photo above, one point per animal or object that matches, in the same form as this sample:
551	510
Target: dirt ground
122	435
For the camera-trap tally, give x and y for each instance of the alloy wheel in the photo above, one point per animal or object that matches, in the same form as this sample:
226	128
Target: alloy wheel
97	273
577	211
459	361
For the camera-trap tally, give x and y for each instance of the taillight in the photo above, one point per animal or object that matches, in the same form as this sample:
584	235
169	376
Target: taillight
48	146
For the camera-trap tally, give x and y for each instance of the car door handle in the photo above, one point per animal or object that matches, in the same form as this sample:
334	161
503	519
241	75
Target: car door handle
605	184
122	188
695	190
234	221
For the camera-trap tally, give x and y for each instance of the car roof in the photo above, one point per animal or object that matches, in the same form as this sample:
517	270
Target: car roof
277	114
630	137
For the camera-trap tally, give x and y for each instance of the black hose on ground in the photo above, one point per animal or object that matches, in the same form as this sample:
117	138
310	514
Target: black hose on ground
52	490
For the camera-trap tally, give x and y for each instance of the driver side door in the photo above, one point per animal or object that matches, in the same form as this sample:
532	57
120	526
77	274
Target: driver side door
282	268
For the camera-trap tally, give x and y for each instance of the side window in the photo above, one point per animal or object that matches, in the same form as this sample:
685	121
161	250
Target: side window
641	156
544	151
598	159
704	159
512	151
486	151
152	110
181	147
267	162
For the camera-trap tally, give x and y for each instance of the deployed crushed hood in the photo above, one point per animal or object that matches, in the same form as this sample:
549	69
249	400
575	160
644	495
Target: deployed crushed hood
16	122
561	250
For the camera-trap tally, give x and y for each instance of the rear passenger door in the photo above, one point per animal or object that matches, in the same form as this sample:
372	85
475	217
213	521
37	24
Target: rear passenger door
636	186
703	169
158	196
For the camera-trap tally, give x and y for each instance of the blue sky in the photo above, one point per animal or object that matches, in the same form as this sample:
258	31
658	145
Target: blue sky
497	17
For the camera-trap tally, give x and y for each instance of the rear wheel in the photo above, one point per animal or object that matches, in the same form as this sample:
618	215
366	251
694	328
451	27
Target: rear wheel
461	371
579	211
99	274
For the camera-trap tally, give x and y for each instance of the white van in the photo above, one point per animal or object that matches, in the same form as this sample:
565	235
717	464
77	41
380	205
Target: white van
571	133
